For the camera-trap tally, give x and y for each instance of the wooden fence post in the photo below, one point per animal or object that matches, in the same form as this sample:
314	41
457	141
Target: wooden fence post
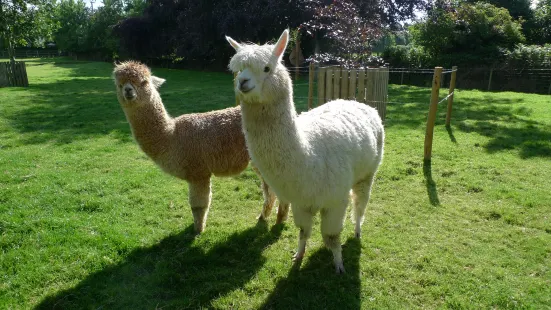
310	85
432	112
450	98
352	84
321	86
361	85
344	83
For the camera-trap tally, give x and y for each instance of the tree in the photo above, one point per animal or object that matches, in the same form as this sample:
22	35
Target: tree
74	21
194	30
472	33
543	21
25	22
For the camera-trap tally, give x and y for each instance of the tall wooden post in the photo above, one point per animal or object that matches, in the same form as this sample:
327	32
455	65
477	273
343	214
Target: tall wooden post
432	112
450	94
297	61
310	85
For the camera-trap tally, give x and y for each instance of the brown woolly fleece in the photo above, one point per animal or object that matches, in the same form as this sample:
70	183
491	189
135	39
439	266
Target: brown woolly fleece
192	147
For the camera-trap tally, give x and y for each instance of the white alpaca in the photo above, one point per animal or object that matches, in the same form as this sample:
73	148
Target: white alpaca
312	160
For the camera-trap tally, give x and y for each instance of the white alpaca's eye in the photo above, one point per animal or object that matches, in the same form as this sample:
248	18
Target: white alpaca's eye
266	69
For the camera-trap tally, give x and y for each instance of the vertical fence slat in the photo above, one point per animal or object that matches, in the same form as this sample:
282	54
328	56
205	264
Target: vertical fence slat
4	82
450	98
352	84
369	87
328	85
361	85
432	112
321	86
310	85
336	83
344	83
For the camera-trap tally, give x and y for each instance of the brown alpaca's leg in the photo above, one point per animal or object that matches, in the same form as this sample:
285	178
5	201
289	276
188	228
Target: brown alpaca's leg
269	200
199	200
282	212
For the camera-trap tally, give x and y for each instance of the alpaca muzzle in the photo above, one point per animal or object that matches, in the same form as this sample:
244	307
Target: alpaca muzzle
129	94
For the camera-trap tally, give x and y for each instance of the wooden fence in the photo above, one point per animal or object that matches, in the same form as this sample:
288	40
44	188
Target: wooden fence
13	74
369	86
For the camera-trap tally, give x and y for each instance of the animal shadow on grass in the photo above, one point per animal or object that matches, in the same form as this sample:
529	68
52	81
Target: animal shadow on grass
317	286
429	182
172	273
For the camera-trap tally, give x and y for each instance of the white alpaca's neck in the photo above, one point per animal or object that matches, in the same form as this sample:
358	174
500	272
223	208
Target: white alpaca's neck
274	141
151	125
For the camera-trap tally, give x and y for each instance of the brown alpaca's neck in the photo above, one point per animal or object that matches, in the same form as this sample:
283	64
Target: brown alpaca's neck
151	126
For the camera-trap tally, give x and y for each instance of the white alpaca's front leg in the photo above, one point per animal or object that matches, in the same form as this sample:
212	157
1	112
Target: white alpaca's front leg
303	220
199	200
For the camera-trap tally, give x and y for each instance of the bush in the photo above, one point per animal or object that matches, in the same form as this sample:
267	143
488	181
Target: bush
529	56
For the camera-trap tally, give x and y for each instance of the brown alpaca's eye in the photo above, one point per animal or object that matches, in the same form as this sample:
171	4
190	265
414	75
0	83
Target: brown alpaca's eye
144	82
266	69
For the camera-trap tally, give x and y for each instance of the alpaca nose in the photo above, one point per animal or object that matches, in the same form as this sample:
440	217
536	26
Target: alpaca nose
127	90
243	84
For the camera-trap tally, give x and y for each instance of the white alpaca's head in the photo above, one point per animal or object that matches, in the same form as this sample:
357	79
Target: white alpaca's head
261	76
134	82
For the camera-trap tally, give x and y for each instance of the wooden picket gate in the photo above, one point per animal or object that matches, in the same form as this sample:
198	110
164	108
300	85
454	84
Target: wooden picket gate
13	74
369	86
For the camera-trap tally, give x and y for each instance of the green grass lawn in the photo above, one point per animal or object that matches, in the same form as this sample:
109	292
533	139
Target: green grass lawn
88	222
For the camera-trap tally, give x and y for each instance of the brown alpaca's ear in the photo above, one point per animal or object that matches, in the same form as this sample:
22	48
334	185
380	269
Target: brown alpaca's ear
116	63
157	81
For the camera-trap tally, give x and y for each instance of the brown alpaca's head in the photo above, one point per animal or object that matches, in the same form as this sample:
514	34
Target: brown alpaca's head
134	82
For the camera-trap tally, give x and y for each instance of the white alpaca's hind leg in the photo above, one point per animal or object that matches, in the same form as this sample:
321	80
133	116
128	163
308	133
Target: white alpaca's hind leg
303	220
332	221
361	192
199	200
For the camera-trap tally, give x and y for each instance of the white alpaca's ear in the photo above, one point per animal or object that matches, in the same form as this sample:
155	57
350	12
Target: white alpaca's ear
236	46
157	81
281	45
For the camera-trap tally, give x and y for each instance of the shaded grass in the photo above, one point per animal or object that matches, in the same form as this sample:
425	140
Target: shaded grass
87	221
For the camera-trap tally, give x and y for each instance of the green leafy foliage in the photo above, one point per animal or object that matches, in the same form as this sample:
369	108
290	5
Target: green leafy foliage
74	21
465	34
24	23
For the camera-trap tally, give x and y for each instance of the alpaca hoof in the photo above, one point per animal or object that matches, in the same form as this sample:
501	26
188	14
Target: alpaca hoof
297	258
339	268
262	218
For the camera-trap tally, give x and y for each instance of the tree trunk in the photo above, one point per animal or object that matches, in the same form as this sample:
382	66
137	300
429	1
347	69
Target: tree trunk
11	51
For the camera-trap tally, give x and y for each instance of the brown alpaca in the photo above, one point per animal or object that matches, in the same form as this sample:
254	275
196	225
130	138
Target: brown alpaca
192	147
